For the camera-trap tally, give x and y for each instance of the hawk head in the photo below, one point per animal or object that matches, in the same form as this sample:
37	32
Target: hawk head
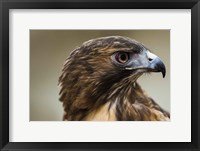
104	71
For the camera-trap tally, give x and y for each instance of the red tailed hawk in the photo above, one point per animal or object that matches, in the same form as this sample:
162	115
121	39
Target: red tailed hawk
99	81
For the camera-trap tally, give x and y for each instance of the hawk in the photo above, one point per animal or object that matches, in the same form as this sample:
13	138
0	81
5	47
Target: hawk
99	82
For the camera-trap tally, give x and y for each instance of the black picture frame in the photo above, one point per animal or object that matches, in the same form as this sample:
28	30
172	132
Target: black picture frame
5	5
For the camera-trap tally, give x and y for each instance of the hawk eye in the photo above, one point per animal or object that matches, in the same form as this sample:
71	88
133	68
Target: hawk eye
122	57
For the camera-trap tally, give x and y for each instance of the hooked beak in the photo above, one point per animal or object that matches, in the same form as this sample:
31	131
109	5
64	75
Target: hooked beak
155	64
147	63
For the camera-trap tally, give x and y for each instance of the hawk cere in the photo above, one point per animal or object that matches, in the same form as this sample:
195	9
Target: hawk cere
99	82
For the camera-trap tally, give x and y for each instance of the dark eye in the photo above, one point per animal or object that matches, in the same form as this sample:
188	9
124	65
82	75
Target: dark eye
122	57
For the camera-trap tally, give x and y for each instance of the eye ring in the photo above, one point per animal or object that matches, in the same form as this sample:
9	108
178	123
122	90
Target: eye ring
122	57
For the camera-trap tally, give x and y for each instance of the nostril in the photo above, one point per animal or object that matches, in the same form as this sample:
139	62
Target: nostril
150	59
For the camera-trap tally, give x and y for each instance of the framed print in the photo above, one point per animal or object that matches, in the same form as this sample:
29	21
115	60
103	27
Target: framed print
99	75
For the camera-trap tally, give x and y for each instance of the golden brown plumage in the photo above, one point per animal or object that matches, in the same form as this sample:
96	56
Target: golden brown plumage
98	81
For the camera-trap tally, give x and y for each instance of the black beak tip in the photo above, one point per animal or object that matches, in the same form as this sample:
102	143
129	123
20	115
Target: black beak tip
162	69
163	73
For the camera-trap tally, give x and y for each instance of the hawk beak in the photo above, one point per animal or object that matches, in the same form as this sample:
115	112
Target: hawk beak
155	64
147	62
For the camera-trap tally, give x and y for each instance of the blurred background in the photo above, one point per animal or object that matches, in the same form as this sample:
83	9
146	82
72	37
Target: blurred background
50	48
